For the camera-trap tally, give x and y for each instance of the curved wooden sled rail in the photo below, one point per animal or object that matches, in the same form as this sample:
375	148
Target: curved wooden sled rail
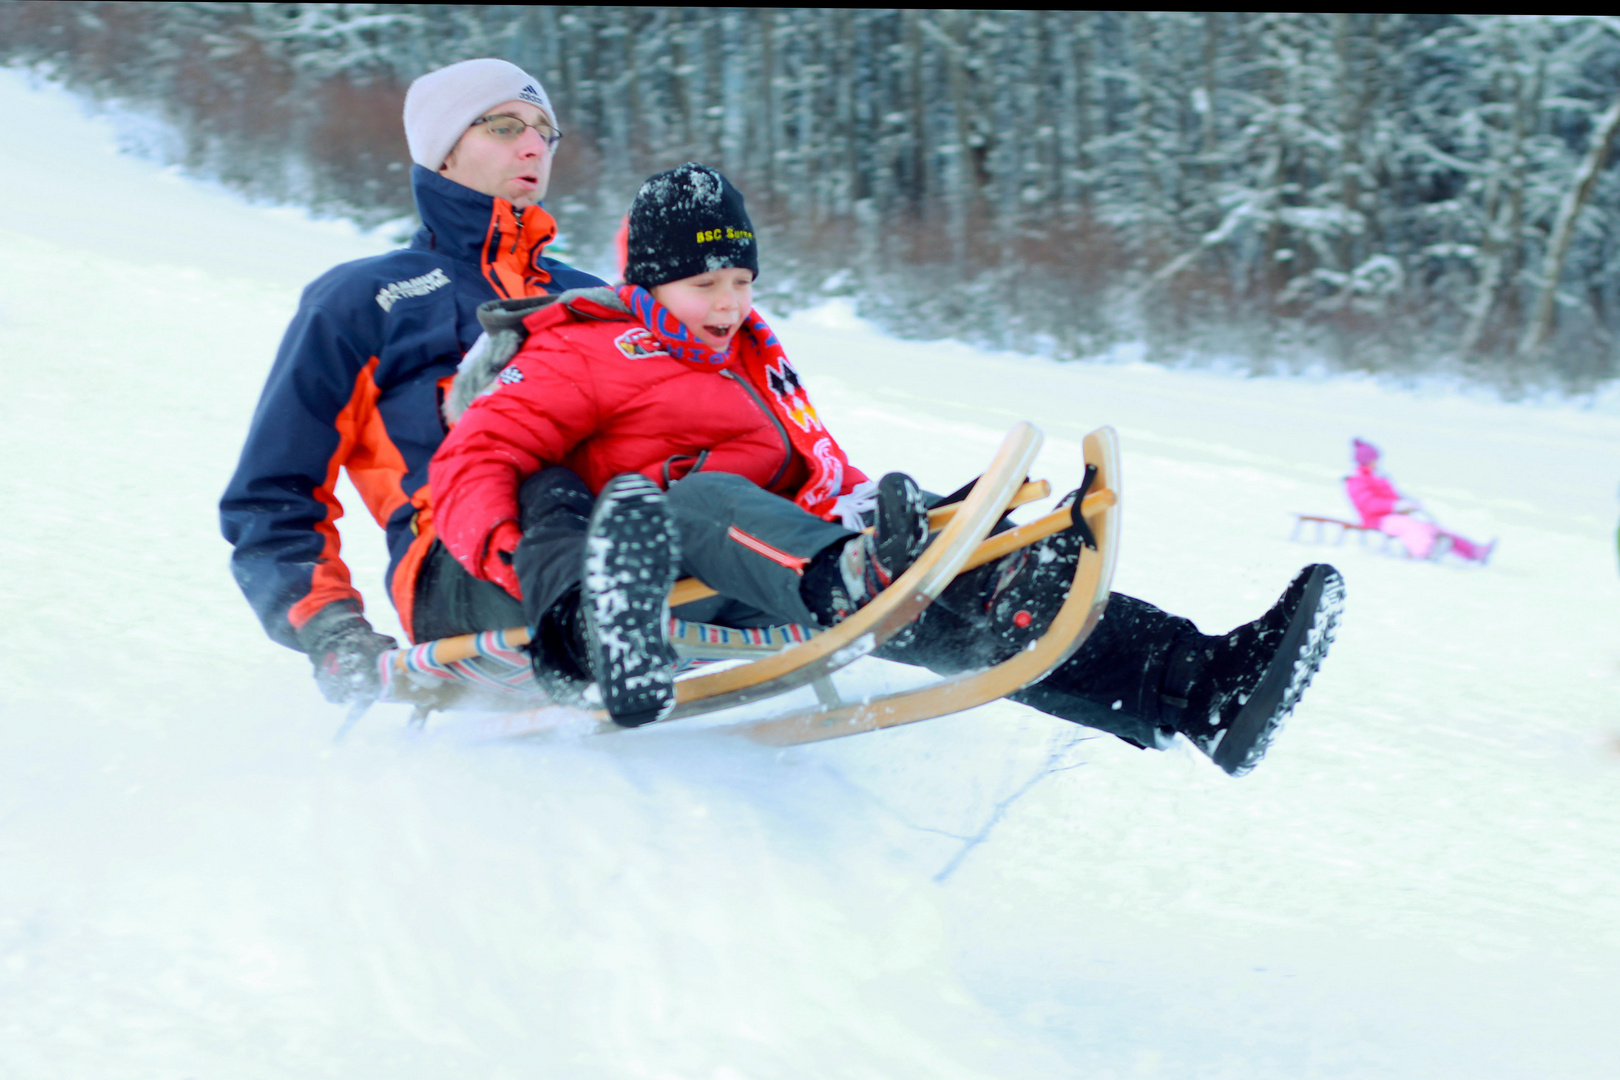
892	610
1075	620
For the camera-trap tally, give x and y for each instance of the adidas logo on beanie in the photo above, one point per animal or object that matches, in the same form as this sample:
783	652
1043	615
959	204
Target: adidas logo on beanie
684	222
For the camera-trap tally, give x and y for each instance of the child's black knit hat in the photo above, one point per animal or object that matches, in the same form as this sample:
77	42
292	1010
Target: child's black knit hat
684	222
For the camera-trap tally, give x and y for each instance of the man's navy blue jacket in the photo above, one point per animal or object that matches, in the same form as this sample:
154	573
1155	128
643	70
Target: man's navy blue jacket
357	384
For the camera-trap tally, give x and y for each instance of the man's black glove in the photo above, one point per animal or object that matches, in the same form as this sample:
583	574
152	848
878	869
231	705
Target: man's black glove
344	648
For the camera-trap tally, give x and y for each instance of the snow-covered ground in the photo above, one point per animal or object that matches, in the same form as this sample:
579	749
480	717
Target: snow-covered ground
1421	880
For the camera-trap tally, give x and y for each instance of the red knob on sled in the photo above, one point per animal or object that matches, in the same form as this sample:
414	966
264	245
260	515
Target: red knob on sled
1022	619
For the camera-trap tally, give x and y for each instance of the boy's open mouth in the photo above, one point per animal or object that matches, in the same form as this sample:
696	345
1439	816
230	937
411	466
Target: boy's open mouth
721	331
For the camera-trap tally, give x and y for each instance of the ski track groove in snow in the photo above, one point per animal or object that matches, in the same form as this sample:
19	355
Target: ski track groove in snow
1421	880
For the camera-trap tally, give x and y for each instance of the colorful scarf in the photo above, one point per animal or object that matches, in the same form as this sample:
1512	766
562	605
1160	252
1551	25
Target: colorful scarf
759	355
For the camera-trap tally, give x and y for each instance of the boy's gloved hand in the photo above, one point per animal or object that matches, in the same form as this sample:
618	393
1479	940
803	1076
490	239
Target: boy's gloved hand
854	510
497	564
343	648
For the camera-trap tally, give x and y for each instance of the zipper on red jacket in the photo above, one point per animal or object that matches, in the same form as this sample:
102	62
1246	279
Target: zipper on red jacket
787	443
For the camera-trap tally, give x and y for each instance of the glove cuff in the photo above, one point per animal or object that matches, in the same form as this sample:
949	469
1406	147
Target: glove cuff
334	619
502	541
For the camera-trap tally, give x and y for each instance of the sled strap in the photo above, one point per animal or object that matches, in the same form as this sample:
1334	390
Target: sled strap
1080	525
1032	491
1023	536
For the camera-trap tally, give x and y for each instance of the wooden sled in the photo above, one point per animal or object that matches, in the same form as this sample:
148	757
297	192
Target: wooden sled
786	658
1339	528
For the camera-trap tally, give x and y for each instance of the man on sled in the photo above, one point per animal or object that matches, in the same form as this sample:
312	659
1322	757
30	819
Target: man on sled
364	364
608	441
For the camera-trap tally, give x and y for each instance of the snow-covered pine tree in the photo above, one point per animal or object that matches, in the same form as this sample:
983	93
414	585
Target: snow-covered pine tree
1378	189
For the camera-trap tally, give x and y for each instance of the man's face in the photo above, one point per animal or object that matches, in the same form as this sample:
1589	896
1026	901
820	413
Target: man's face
518	170
711	305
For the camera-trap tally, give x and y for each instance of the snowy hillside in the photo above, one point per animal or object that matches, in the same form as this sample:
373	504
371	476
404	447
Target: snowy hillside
1421	880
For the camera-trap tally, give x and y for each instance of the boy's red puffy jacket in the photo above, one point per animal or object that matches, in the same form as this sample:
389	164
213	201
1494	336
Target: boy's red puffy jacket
593	389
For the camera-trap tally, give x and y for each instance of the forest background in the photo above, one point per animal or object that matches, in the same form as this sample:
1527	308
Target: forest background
1396	193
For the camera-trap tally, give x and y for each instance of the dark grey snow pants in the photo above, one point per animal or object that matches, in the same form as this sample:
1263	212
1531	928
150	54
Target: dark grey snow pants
747	544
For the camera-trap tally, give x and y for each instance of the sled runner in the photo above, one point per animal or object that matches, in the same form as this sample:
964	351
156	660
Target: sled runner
1387	543
490	668
1323	526
1075	620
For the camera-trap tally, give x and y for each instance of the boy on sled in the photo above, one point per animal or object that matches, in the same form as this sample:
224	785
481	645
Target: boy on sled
609	440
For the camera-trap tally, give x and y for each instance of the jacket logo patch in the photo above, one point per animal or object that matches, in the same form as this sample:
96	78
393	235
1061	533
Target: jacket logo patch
388	295
639	343
510	374
790	396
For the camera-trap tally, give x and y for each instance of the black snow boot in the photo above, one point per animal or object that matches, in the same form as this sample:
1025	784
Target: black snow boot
1230	694
560	651
845	578
1033	582
631	560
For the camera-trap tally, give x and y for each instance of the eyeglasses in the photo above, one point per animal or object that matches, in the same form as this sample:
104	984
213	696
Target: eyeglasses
508	128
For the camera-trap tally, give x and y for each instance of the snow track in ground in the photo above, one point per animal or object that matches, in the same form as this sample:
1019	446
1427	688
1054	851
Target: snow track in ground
1421	880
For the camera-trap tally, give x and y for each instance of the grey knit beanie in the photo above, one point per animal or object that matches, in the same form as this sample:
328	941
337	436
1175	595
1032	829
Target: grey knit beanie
441	105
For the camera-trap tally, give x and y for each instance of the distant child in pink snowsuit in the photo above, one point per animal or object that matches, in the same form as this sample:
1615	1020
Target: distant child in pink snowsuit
1391	513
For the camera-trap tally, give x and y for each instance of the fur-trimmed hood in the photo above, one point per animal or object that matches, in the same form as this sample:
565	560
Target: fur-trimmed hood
504	334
